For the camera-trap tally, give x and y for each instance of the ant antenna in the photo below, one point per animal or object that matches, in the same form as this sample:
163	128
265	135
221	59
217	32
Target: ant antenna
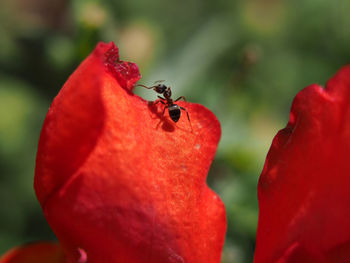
151	87
140	85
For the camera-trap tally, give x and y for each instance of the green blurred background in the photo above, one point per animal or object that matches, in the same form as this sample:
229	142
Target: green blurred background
245	60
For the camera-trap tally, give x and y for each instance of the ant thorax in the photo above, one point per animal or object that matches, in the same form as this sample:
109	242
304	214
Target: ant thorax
167	93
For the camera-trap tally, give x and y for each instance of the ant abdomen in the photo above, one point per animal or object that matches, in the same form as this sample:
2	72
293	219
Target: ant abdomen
174	112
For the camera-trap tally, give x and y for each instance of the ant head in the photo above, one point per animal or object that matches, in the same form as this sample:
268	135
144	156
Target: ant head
160	88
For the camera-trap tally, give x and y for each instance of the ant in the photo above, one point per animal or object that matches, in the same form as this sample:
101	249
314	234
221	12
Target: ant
173	109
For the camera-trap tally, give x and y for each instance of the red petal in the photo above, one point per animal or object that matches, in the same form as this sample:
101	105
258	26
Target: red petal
34	253
121	183
304	189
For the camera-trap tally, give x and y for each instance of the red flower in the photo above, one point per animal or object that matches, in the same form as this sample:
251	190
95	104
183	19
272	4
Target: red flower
304	189
119	183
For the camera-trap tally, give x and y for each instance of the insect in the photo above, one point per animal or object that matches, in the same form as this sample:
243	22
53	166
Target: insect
173	109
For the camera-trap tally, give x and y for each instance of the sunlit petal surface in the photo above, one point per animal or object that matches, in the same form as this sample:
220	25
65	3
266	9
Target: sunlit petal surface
119	182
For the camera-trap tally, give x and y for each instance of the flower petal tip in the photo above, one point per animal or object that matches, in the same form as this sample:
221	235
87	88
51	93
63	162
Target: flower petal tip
126	73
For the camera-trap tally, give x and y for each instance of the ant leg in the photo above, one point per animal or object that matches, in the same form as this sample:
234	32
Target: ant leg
165	107
188	116
157	101
161	97
182	97
162	117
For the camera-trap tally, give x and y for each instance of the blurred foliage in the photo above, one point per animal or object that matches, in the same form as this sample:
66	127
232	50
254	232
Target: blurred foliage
243	59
